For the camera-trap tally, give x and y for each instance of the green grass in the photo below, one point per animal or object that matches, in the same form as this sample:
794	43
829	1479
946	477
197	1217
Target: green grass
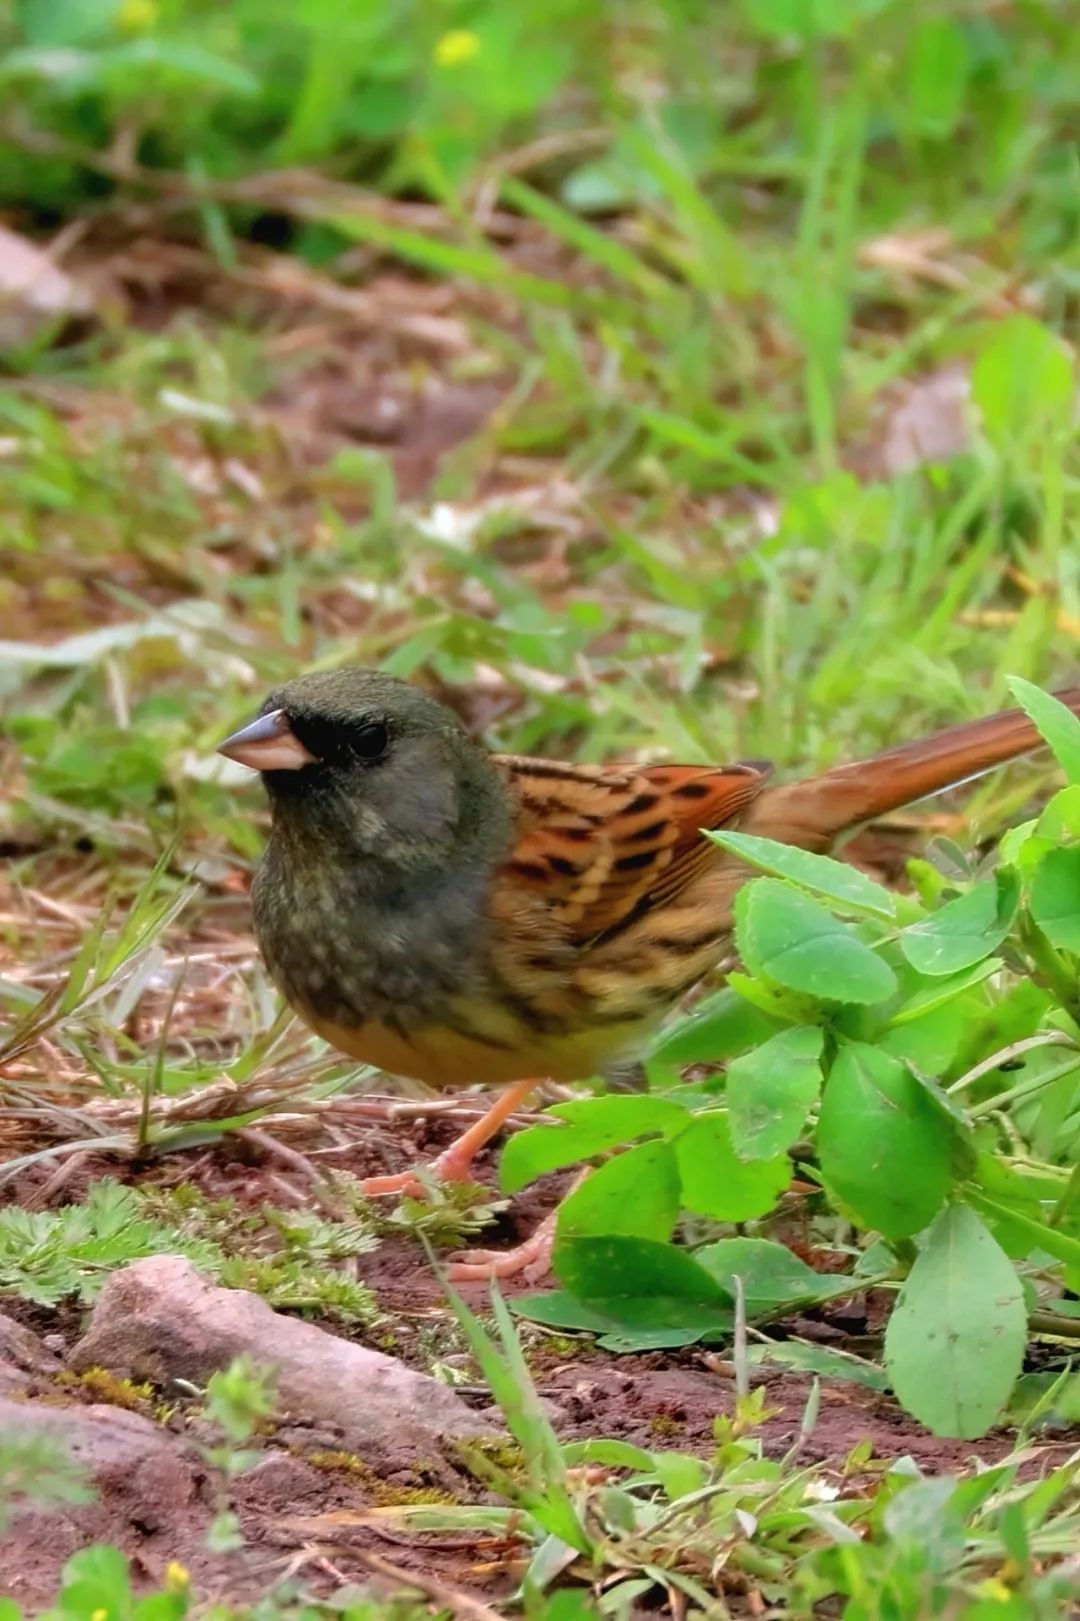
706	258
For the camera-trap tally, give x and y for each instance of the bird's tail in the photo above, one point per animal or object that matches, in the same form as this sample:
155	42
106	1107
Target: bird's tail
814	812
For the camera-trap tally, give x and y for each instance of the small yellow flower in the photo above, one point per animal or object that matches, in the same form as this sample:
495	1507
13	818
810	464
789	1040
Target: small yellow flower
177	1577
136	16
458	46
99	1615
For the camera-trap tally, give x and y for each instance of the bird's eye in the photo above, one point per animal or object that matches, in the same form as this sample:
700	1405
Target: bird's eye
370	741
337	742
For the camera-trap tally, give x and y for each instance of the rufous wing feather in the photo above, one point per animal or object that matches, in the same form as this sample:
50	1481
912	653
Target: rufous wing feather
600	844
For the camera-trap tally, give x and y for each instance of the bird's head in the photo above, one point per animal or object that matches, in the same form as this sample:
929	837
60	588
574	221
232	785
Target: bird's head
370	764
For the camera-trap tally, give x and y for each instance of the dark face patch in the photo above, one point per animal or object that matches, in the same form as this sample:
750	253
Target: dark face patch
335	741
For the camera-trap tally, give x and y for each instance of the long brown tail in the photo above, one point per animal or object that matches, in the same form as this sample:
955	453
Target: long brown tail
814	812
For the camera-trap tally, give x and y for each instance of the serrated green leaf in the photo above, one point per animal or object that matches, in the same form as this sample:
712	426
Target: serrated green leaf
636	1194
1058	726
955	1342
791	938
715	1182
635	1289
943	991
885	1151
851	889
720	1027
591	1125
773	1278
932	1041
771	1090
1054	899
963	931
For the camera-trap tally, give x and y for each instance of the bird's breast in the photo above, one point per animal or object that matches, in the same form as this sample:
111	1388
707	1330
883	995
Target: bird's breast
480	1047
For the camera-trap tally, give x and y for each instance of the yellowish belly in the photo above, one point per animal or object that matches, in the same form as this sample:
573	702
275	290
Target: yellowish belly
442	1057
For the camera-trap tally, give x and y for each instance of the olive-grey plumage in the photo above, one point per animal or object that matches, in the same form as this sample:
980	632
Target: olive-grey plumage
371	902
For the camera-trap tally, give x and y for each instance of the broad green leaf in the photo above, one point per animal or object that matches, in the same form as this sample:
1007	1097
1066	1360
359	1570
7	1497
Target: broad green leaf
614	1267
943	991
1014	844
1059	820
556	1308
850	889
97	1581
921	1516
715	1182
885	1150
792	939
637	1290
1054	900
963	931
932	1041
781	1006
591	1126
717	1029
772	1277
771	1090
1036	1232
1022	382
636	1193
161	1607
1057	725
955	1341
824	1360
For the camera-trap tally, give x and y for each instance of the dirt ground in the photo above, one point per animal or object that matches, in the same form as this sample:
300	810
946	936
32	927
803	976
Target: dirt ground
308	1509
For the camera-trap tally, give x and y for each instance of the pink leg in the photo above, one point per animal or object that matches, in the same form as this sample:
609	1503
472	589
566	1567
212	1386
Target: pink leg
455	1163
531	1258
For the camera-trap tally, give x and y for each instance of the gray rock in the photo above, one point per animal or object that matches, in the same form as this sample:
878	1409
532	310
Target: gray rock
23	1349
159	1319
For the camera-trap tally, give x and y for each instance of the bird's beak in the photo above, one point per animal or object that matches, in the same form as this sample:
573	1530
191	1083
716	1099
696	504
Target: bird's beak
268	744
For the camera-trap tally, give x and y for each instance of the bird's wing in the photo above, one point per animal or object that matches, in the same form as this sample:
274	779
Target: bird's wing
601	844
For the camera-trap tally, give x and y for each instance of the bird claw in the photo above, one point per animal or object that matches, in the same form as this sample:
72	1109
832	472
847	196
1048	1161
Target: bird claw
403	1182
530	1260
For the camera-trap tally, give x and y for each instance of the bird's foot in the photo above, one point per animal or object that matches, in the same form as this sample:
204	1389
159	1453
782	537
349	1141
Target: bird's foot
530	1260
452	1165
372	1187
455	1163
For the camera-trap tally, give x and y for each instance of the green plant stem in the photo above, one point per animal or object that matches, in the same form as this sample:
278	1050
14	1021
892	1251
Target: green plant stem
1048	1322
1025	1088
1049	965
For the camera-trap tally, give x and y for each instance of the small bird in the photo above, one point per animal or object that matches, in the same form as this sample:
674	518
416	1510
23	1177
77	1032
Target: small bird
459	917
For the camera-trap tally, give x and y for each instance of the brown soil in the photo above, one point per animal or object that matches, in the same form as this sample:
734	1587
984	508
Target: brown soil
307	1509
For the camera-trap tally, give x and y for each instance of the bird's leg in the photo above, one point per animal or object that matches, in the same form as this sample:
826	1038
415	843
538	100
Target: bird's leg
531	1258
455	1163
